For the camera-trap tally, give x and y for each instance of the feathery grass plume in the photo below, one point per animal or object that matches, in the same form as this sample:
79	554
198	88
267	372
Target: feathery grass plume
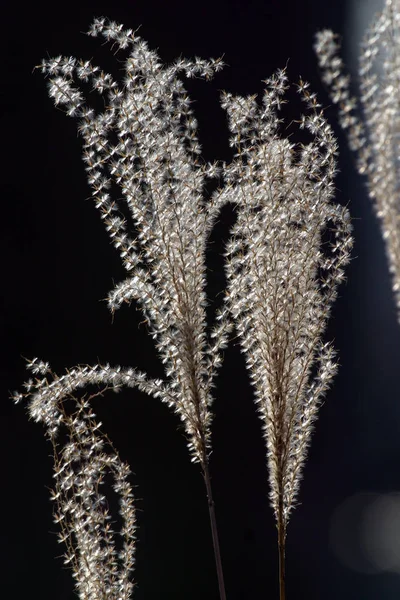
282	278
80	467
282	275
374	136
145	142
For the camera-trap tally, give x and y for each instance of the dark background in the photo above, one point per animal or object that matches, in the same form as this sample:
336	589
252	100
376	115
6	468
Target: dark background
57	265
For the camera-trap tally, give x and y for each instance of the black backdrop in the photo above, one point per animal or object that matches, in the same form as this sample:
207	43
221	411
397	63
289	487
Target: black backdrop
57	265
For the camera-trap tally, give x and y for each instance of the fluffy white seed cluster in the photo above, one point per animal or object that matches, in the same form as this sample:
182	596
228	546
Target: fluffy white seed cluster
146	142
282	275
102	560
375	135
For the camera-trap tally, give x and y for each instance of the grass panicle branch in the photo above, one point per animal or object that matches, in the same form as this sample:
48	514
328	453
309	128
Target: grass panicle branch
283	275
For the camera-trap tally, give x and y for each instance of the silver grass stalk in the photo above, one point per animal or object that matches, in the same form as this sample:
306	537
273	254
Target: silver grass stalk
373	136
145	141
282	278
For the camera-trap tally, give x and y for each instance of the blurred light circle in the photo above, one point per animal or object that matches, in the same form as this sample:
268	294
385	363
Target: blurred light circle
346	533
381	532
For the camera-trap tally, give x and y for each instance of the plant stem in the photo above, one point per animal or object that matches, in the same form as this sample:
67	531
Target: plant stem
281	547
214	531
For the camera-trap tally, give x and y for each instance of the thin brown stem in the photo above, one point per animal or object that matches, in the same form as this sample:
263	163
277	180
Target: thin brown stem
214	531
281	548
